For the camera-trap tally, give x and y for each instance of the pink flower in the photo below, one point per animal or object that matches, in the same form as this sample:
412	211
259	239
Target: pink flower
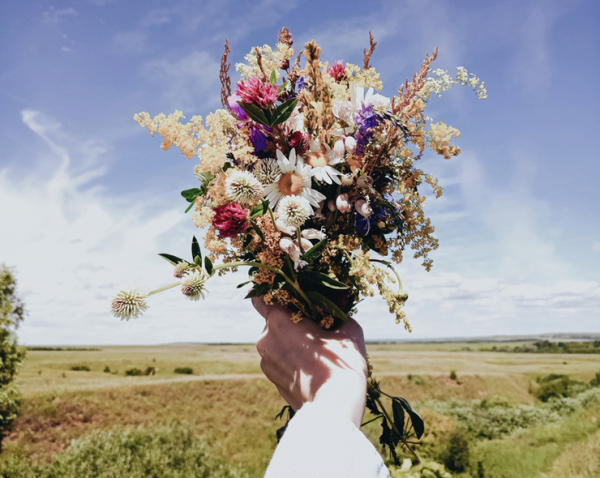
230	219
337	71
343	204
338	149
299	141
257	92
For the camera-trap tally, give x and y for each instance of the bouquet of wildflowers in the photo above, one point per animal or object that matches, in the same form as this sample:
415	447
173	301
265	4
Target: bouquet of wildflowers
309	177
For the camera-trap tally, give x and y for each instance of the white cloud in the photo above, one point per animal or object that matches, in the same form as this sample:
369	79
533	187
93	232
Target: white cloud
186	81
71	243
130	42
596	246
52	15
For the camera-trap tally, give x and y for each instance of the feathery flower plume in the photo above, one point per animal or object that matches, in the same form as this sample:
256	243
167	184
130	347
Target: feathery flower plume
180	269
243	187
294	210
194	284
267	171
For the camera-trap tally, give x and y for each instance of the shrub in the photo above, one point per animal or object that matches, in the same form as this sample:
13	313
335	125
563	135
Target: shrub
453	375
150	371
456	455
133	372
106	369
80	368
184	370
558	385
173	451
12	312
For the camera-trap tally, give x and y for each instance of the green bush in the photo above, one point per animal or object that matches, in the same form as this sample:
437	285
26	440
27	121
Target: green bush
184	370
456	455
174	451
106	369
133	372
453	375
80	368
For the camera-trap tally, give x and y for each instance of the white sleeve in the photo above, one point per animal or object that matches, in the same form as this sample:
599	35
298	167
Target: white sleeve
320	444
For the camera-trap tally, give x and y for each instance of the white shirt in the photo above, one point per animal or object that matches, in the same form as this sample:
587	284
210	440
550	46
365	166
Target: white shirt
319	443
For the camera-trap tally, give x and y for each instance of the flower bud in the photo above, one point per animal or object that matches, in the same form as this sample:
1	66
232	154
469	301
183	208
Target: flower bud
343	204
364	181
338	149
350	144
313	234
285	227
363	208
331	205
287	245
306	244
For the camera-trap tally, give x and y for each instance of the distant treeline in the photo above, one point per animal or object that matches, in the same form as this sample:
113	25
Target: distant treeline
63	349
547	347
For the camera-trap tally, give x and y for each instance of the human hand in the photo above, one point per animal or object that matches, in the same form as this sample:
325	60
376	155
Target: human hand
310	364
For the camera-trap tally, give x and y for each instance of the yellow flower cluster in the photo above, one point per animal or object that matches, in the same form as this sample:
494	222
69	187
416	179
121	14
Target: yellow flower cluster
271	60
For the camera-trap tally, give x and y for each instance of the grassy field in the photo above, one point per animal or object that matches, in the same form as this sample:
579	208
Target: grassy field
233	407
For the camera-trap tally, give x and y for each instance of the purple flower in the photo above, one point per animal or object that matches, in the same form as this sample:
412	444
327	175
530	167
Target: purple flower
257	135
366	121
300	84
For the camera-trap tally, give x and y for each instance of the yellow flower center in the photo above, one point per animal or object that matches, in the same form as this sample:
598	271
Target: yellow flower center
291	184
317	160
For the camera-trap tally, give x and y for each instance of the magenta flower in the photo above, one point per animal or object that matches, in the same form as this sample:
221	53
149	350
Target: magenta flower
230	220
257	92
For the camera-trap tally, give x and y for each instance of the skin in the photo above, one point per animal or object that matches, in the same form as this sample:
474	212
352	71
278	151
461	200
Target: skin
310	364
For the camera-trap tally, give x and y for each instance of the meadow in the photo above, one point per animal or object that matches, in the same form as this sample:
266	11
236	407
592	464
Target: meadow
230	407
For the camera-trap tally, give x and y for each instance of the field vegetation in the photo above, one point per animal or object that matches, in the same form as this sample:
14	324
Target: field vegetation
486	420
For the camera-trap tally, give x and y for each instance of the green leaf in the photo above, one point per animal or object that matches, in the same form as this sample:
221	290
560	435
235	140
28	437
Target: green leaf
258	211
257	229
239	286
283	88
253	271
283	111
189	207
278	283
205	178
208	265
227	166
327	305
273	78
315	251
172	259
415	419
323	279
258	290
254	113
196	249
191	194
398	415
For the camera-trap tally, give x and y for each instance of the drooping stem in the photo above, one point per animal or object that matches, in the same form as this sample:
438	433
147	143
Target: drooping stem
299	236
396	430
164	288
393	269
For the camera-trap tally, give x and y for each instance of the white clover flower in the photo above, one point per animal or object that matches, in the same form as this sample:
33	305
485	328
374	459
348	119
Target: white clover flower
267	171
129	304
193	285
294	210
243	187
180	269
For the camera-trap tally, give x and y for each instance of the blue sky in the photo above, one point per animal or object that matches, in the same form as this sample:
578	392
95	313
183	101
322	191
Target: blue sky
87	198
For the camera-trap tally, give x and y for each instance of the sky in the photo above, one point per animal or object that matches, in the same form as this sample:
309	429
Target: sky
88	199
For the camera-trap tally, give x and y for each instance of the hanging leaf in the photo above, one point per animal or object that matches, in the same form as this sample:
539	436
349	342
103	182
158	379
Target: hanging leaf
415	419
323	279
398	415
327	305
253	271
254	113
191	194
278	283
189	207
273	78
257	230
227	166
315	251
208	265
196	250
172	259
258	211
283	88
283	111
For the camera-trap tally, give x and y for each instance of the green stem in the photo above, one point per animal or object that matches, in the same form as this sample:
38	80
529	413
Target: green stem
164	288
299	236
376	418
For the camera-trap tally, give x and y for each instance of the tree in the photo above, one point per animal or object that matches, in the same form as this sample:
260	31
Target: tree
12	312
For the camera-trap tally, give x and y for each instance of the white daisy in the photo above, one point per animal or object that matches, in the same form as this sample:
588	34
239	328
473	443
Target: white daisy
294	210
243	187
322	162
295	180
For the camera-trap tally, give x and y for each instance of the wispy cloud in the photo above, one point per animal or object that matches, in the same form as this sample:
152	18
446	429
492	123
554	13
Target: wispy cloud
53	15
